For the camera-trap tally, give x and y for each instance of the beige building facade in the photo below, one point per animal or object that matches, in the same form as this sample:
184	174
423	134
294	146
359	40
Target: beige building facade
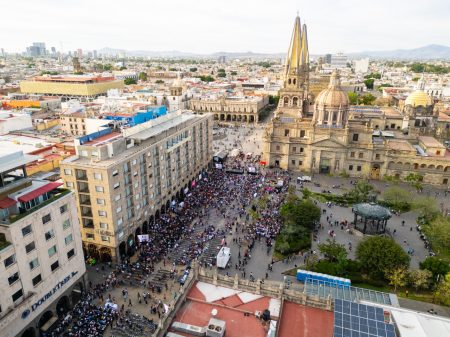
124	180
42	269
328	136
231	109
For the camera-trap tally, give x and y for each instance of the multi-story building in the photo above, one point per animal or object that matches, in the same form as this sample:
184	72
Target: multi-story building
330	136
231	108
125	179
41	259
67	87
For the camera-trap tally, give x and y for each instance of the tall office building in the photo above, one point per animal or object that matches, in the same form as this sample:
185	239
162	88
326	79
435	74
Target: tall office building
125	179
37	49
339	61
42	265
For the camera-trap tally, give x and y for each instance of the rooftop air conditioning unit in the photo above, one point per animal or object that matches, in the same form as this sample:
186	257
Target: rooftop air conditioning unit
215	328
189	329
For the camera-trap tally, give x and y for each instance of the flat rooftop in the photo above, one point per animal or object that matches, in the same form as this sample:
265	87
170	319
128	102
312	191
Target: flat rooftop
73	79
237	308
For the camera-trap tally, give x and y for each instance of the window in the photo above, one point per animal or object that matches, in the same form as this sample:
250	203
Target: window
66	224
36	280
9	260
103	225
52	251
97	176
30	247
116	185
49	234
46	218
68	172
68	239
63	209
438	152
55	265
99	188
361	155
105	238
293	162
302	133
13	278
118	209
115	172
119	221
69	184
134	162
301	150
18	294
101	213
300	163
117	197
100	201
358	168
352	154
294	149
286	132
34	263
355	137
70	253
26	230
377	156
278	147
89	236
350	167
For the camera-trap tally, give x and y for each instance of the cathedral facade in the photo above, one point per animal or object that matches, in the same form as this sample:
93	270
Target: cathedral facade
329	136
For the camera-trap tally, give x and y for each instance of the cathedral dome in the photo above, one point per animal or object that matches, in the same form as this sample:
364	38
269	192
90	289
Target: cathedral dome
419	98
333	96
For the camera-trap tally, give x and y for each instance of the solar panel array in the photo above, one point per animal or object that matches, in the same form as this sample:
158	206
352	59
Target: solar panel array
359	320
324	289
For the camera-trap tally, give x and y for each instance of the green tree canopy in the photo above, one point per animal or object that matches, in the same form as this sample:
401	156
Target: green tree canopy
369	83
378	255
159	81
129	81
436	266
207	78
438	232
361	191
373	75
193	69
367	99
333	250
233	73
397	198
301	212
107	67
420	278
143	76
353	98
221	75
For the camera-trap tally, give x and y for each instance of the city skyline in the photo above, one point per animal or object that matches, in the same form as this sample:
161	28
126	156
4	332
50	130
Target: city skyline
202	27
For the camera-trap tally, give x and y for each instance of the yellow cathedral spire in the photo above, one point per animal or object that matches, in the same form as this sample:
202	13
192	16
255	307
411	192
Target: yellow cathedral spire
305	50
293	60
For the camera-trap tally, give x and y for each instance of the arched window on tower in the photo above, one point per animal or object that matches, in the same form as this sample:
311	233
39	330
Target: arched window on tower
294	81
334	117
325	117
285	101
295	101
289	81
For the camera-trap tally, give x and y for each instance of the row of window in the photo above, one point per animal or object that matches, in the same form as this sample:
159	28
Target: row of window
49	234
91	236
38	278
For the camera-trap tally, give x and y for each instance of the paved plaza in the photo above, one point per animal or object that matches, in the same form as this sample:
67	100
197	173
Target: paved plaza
248	139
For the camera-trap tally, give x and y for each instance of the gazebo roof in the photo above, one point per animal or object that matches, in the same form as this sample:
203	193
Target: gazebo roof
372	211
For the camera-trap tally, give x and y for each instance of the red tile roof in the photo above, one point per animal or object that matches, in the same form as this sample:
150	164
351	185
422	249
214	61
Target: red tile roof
7	202
39	191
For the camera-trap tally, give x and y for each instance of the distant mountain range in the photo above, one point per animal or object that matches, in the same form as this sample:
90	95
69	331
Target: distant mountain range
430	52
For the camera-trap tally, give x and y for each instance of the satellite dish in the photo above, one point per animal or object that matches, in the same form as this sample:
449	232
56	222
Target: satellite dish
214	312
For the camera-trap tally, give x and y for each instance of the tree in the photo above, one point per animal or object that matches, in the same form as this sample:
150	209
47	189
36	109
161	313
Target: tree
436	266
193	70
373	75
122	68
415	180
159	81
420	278
378	254
129	81
397	277
427	208
107	67
361	191
353	98
143	76
301	212
442	292
233	73
333	250
369	83
368	99
221	75
438	233
207	78
397	198
272	99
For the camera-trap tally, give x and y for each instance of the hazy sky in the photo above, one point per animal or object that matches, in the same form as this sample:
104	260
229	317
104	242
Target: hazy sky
205	26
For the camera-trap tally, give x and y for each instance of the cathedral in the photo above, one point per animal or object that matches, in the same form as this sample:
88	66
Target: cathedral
326	135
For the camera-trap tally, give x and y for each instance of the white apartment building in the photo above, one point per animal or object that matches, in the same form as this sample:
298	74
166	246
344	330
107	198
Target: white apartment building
42	269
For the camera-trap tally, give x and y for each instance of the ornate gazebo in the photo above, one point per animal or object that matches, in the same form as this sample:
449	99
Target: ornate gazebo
371	218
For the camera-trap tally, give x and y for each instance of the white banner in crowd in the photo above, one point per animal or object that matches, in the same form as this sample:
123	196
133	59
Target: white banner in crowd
143	238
